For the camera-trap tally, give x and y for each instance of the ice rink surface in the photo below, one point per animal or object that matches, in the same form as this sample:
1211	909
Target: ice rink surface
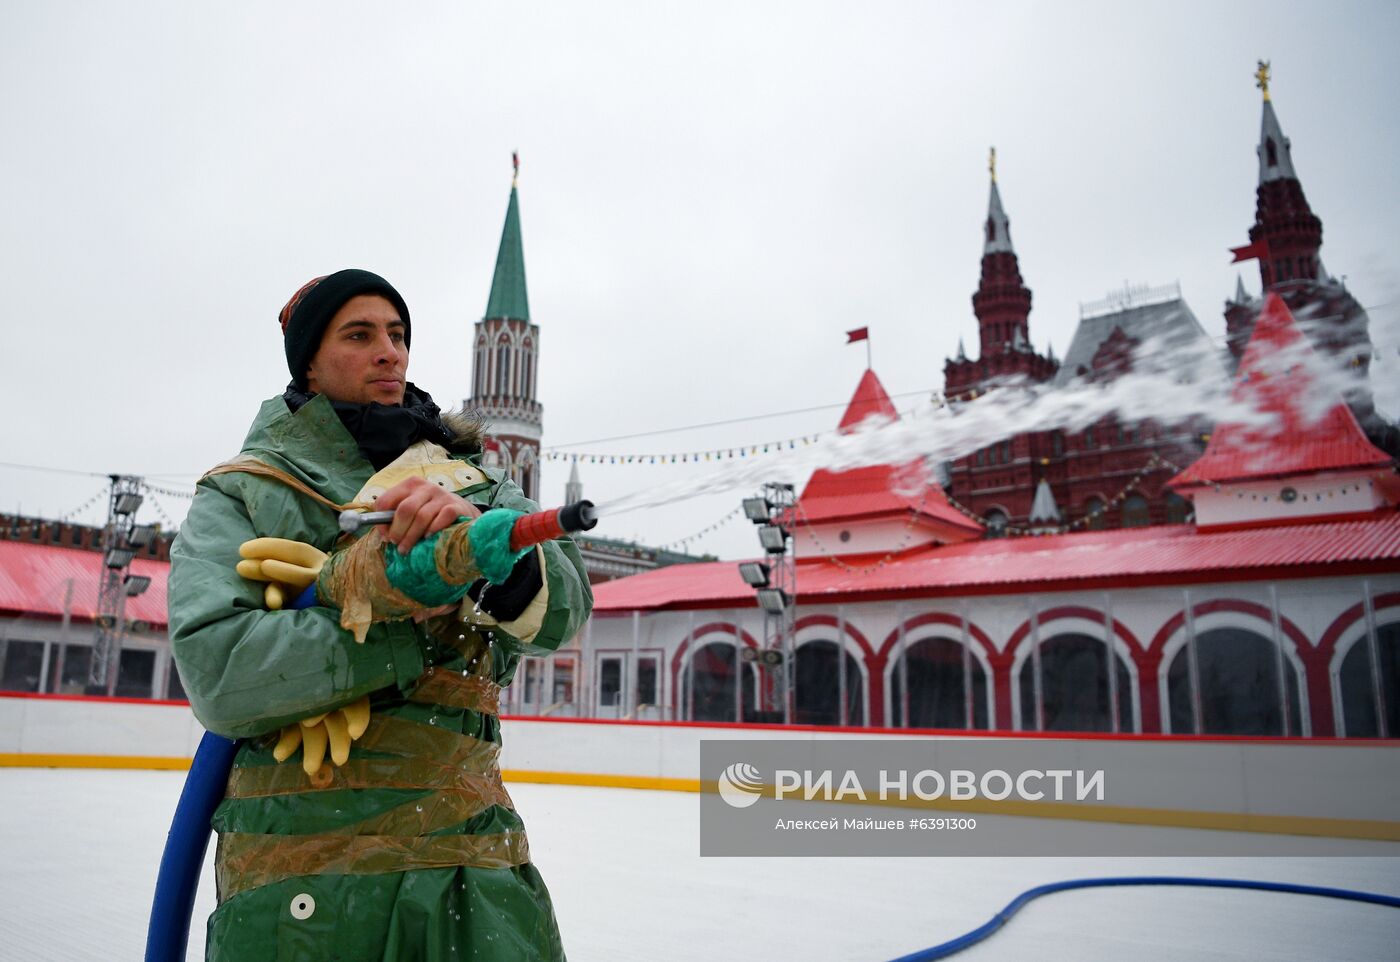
79	851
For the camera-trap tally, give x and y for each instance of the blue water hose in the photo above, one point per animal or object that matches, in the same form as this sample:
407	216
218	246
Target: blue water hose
169	931
953	946
168	935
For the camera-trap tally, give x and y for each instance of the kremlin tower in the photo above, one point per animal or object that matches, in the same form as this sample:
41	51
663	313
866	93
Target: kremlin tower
1286	240
505	361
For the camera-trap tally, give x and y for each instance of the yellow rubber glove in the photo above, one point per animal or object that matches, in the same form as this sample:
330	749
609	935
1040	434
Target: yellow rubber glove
334	729
287	567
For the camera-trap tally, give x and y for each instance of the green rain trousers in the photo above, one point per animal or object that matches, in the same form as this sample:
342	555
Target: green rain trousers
412	850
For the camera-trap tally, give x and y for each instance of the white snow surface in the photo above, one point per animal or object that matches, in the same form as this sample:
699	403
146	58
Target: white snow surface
79	851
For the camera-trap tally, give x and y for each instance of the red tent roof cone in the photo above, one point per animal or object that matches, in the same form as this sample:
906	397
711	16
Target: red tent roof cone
1305	430
884	489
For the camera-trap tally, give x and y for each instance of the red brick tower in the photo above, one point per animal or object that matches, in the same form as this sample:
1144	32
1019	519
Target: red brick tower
998	483
1286	239
1002	304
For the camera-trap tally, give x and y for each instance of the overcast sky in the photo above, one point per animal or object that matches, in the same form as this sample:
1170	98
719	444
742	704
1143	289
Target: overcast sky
711	194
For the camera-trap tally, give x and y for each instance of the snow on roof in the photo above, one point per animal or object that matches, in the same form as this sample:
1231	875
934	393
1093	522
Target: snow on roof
1166	554
1291	442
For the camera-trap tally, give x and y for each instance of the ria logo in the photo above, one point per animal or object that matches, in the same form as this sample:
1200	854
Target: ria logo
740	785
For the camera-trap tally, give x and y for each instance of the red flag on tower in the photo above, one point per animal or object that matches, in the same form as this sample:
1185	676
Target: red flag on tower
859	334
1257	250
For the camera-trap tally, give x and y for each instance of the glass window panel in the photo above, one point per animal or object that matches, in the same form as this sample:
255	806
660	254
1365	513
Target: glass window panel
818	699
563	681
1239	685
711	671
1074	685
935	669
610	682
23	662
136	673
646	681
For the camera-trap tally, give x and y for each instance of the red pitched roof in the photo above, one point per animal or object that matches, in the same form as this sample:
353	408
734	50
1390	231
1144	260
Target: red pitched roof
885	489
1291	442
1168	554
34	580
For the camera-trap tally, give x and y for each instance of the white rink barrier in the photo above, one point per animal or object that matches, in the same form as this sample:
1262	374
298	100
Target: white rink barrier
1311	787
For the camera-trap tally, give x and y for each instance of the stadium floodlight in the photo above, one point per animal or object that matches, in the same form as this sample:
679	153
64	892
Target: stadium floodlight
754	573
756	510
134	585
772	657
748	654
773	537
773	600
118	558
127	503
141	535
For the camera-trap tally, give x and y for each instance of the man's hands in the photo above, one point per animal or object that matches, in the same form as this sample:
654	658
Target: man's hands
336	729
287	567
421	508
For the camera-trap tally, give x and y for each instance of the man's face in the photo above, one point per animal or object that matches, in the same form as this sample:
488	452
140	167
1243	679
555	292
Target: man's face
362	357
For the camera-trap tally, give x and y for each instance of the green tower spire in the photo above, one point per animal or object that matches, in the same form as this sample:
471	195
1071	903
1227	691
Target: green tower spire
508	298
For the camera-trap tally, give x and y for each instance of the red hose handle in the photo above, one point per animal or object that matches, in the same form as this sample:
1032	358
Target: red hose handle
532	529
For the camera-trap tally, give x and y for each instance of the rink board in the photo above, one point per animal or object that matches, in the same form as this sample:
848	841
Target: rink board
1348	789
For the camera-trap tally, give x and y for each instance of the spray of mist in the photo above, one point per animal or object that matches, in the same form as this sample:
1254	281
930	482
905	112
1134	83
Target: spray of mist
1168	383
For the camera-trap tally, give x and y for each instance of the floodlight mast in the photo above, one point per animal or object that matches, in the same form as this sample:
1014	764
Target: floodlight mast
123	501
778	501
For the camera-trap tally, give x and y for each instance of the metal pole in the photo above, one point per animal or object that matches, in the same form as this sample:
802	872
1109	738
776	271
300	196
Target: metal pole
634	675
1279	660
903	669
63	638
1373	649
1193	666
969	695
738	671
114	664
588	692
1114	722
842	716
1038	687
689	675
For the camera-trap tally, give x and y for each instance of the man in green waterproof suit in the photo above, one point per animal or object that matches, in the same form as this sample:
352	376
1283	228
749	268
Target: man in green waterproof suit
364	818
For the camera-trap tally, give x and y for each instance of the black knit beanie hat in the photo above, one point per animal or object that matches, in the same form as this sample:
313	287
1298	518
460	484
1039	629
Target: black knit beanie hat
306	315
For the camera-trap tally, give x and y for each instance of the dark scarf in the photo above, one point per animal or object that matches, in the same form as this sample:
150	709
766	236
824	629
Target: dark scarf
383	432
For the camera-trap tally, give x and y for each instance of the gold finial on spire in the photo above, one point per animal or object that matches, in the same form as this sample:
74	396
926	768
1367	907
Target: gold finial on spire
992	164
1261	78
515	167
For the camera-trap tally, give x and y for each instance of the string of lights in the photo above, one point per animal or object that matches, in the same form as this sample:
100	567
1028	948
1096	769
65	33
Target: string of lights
726	453
679	544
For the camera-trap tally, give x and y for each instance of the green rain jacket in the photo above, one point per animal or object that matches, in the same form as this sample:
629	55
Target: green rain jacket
412	850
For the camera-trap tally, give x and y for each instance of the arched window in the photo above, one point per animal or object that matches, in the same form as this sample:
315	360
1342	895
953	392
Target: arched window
817	700
480	363
1271	152
503	366
1239	686
995	522
1178	509
1089	437
527	369
1358	694
991	230
707	683
1095	513
1074	686
1057	444
939	679
1135	512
